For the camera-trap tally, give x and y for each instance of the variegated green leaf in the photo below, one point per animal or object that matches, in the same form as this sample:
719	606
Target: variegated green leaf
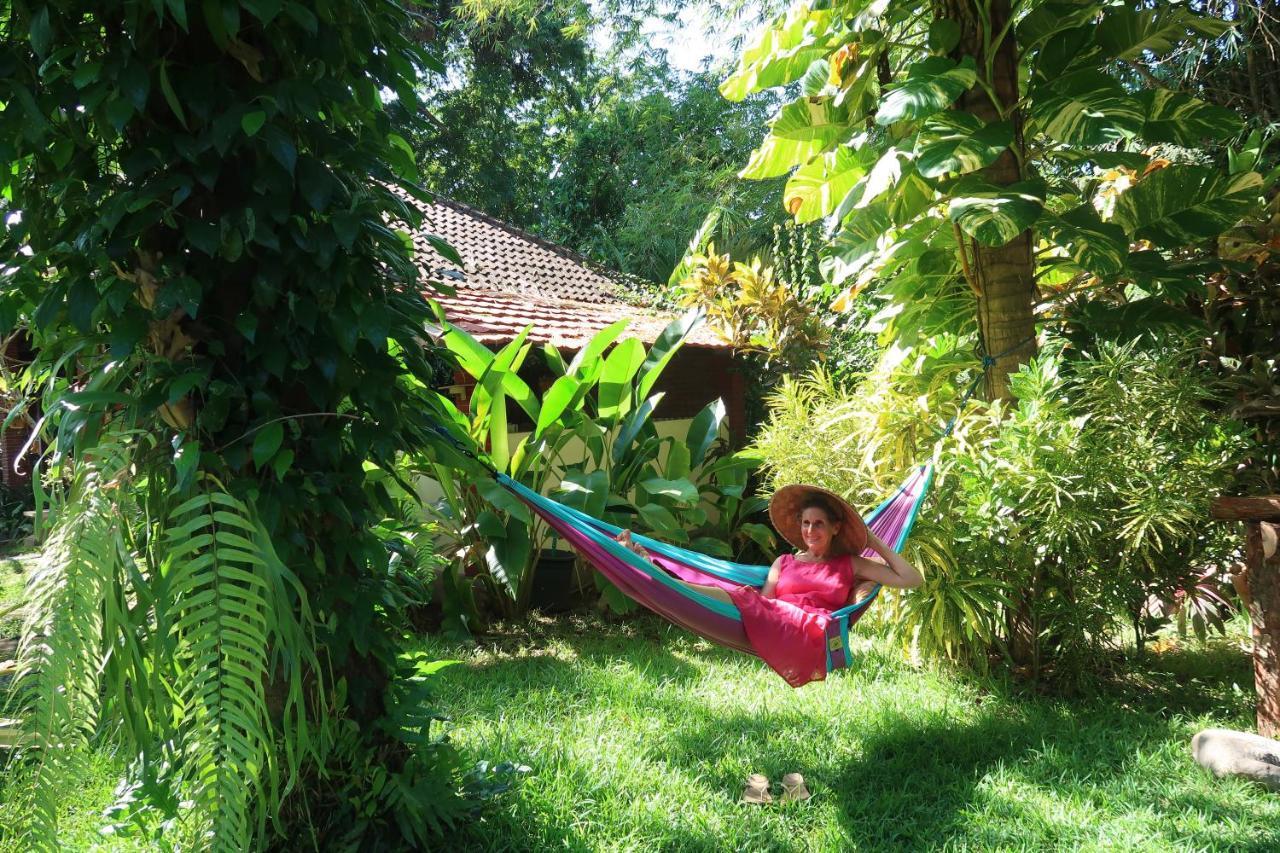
912	197
1126	33
995	215
931	85
868	247
1179	205
777	156
783	52
816	188
959	142
815	78
1184	120
884	176
817	119
1086	108
1048	19
1097	246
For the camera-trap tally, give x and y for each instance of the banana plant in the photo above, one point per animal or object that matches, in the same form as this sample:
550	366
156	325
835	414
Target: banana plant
603	398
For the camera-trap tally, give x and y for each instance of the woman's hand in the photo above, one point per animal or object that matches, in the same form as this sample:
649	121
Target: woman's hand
894	571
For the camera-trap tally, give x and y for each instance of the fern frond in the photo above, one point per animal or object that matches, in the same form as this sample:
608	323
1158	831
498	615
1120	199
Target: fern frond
62	647
231	604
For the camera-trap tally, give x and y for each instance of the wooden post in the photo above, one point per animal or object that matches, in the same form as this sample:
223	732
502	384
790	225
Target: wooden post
1261	516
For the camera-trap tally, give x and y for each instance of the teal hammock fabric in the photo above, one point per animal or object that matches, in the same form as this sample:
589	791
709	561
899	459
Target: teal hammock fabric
655	582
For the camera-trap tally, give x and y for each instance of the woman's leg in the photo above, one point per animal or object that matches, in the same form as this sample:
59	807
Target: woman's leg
718	593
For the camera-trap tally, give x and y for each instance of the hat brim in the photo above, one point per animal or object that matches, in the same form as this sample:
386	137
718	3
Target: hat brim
784	512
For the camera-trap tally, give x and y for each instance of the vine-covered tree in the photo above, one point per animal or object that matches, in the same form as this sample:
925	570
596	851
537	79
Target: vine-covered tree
973	154
202	227
995	164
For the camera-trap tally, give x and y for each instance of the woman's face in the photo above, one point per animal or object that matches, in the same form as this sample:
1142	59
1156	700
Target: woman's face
817	530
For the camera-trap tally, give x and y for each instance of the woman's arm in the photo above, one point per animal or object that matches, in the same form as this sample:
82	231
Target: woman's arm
894	571
771	582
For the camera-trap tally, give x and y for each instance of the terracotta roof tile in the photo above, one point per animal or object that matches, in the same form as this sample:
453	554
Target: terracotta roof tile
496	316
511	279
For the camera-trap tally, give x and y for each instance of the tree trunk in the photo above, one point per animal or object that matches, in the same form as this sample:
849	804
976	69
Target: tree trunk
1004	275
1262	556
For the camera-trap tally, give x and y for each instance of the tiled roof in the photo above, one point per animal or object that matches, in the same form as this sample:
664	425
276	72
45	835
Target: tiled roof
496	316
511	279
498	256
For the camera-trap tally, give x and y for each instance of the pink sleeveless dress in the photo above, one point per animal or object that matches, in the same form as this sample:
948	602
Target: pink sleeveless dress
789	631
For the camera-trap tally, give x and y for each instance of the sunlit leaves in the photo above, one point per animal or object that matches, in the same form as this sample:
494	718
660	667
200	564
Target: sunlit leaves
1126	33
1099	247
1087	108
783	52
1180	205
958	142
815	118
777	156
932	84
1184	120
995	215
816	188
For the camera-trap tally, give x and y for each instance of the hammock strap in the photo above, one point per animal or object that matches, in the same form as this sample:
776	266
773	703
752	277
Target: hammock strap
988	361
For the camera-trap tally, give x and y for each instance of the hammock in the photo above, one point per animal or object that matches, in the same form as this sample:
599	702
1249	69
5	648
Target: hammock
654	585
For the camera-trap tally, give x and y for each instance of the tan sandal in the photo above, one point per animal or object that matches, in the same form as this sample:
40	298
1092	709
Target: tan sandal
793	789
757	790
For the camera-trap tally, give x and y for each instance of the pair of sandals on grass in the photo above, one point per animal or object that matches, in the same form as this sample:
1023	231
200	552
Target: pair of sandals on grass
757	790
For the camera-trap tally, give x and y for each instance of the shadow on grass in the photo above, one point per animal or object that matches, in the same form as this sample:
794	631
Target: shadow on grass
1000	766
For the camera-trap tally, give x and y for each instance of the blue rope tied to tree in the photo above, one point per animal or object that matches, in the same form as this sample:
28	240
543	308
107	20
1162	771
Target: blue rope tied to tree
988	361
464	449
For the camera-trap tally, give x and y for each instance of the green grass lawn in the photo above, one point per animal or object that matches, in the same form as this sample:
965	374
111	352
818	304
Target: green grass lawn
638	737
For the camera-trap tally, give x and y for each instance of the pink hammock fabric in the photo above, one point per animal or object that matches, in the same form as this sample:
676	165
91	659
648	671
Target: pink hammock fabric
655	582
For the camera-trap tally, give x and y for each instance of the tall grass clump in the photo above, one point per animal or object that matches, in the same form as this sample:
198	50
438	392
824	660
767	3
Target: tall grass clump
1080	502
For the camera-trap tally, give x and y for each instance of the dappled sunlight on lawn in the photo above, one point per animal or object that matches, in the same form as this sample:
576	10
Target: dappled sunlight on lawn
639	736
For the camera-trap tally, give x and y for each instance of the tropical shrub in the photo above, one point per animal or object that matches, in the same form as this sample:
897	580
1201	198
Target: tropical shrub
1091	492
595	442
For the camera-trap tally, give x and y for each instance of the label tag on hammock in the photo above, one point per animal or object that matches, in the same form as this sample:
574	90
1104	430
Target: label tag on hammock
835	644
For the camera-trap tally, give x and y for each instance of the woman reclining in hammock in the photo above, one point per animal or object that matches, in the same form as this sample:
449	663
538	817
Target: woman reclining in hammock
786	620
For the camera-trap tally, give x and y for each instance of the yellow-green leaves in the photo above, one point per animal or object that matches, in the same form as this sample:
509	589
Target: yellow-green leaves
1126	33
1180	205
995	215
1086	108
816	118
958	142
1099	247
817	187
1184	120
783	52
931	85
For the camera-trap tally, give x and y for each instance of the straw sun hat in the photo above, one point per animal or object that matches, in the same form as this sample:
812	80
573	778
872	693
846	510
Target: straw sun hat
784	512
